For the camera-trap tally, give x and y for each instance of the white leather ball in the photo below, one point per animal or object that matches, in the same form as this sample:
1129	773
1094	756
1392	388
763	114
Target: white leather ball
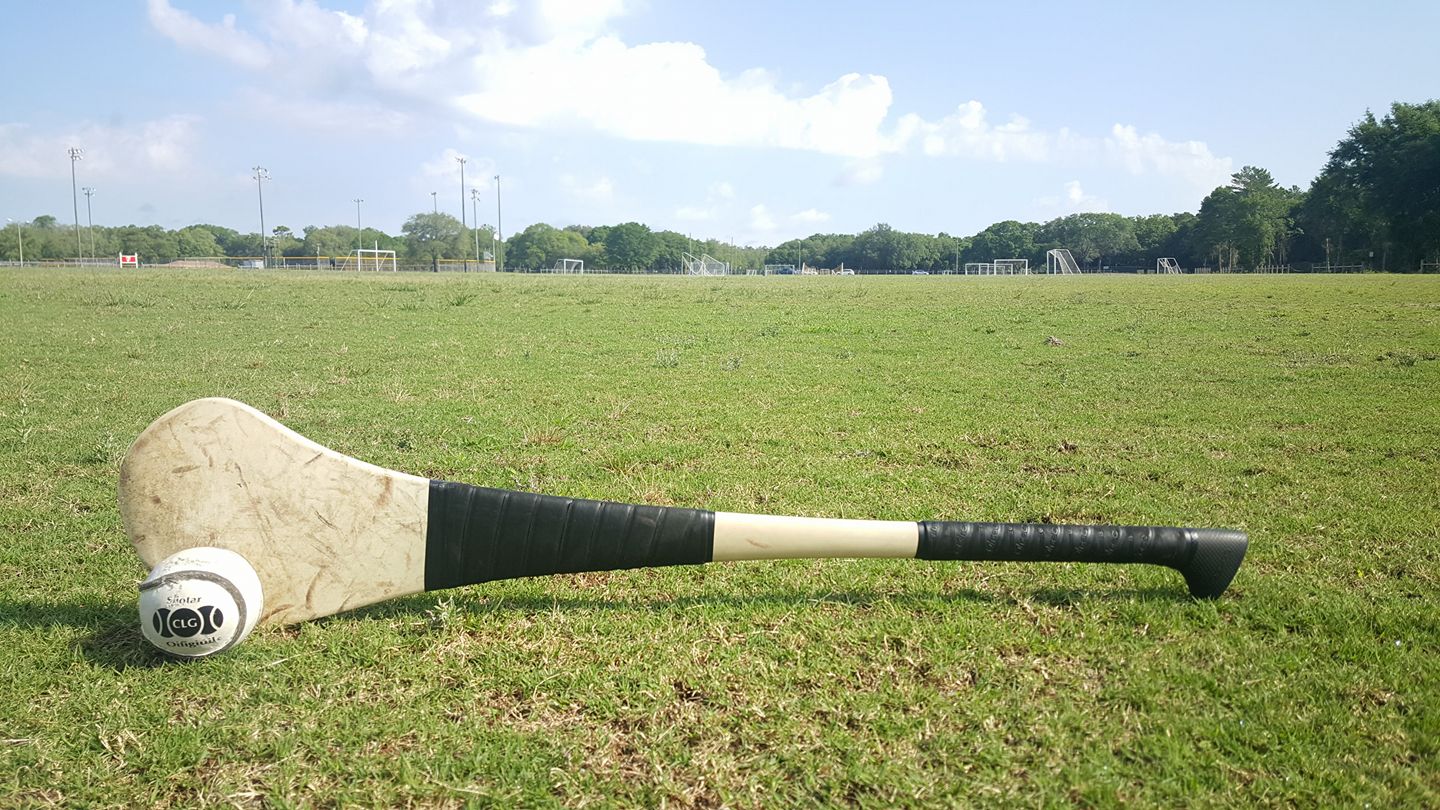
199	602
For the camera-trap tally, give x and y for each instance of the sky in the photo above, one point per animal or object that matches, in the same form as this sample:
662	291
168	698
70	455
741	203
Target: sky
750	122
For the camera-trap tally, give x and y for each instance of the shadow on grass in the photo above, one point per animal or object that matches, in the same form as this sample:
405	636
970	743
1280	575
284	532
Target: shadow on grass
115	641
536	603
477	603
1065	597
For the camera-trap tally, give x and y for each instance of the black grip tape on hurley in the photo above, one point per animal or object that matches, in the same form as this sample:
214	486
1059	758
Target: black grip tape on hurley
1208	558
477	534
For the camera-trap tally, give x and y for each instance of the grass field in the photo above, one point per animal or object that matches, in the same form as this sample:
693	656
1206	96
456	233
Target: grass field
1301	409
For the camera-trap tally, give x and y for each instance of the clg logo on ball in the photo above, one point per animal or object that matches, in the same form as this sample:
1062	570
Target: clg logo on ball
187	622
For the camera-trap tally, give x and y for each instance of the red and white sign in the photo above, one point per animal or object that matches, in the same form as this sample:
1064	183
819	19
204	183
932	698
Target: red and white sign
131	260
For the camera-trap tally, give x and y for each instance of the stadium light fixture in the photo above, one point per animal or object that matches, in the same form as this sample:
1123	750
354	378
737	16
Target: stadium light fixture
76	154
463	224
359	233
89	219
499	231
475	218
262	174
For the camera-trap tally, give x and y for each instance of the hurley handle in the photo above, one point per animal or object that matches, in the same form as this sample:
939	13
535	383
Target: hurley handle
478	534
1207	558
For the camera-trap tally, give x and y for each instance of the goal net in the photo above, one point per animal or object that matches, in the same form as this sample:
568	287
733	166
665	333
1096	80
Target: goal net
569	266
1012	267
368	259
1059	261
979	268
779	269
704	265
1167	265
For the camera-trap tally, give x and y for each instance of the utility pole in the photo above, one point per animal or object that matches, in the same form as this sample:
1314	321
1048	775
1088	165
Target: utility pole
475	218
463	224
262	174
90	220
76	153
359	235
499	230
434	202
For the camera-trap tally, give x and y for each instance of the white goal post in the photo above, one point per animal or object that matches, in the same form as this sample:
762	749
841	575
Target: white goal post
1059	261
704	265
569	266
1012	267
1167	265
368	259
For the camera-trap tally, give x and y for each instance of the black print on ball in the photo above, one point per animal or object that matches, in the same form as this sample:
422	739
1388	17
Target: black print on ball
187	622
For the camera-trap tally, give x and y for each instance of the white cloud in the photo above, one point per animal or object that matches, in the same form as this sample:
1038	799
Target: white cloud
223	40
164	145
446	166
1141	154
691	213
967	132
860	173
599	190
760	218
723	190
810	216
334	118
558	64
1074	200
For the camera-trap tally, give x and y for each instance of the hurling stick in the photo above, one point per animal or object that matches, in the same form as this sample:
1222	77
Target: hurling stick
329	533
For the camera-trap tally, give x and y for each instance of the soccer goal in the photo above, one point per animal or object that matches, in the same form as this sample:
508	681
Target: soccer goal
569	266
979	268
1012	267
779	269
1167	265
368	259
704	265
1059	261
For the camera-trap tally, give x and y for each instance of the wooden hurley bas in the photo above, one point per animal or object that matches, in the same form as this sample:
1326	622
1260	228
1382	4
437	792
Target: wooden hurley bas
328	533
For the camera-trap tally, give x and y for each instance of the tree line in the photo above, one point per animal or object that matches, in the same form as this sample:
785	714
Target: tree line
1375	203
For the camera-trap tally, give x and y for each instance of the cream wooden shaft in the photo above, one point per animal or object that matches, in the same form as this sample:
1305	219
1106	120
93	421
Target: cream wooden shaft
768	537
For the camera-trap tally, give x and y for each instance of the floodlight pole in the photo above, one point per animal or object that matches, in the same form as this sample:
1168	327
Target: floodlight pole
262	174
76	153
359	235
463	224
20	231
90	220
499	231
434	202
475	218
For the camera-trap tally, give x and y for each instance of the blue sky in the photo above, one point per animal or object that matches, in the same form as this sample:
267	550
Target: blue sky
751	122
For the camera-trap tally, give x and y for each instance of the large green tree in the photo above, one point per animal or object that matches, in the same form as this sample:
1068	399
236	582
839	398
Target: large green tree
541	246
1091	236
1391	168
1003	240
435	236
631	247
885	248
1153	235
1248	222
